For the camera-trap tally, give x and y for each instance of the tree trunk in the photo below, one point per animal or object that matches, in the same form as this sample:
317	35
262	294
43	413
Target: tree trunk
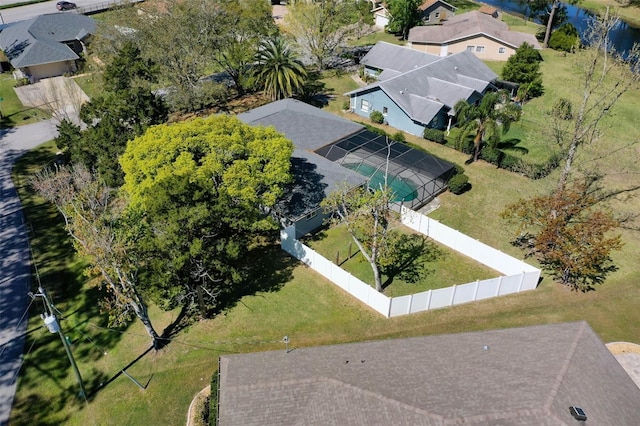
141	312
547	33
477	141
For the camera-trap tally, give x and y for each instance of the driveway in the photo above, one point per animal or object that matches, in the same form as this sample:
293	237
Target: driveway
60	96
15	272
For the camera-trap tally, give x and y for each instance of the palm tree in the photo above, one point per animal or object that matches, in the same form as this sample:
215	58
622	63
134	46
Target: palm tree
485	119
279	70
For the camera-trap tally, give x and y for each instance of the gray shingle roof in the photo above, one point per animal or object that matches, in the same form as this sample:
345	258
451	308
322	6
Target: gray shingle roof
517	376
387	56
309	128
40	40
423	91
468	25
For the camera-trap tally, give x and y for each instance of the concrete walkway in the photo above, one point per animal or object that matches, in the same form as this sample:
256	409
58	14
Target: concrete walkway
15	272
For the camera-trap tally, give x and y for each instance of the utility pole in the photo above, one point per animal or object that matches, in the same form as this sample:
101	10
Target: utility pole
52	324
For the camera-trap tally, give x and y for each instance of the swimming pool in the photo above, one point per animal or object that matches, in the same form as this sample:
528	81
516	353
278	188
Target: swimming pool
403	189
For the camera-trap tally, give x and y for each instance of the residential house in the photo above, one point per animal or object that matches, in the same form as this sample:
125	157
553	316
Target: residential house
331	151
484	35
517	376
47	45
489	10
435	11
417	90
381	15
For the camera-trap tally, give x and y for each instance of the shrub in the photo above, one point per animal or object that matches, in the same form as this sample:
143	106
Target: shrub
434	135
564	38
399	137
562	109
490	155
374	129
376	117
459	184
346	105
213	399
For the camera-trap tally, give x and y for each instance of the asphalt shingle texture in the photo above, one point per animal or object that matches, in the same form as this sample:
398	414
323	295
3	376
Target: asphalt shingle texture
518	376
40	40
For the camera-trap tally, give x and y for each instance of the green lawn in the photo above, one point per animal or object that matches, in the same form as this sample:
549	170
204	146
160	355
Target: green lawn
90	83
307	308
450	269
373	38
13	112
338	85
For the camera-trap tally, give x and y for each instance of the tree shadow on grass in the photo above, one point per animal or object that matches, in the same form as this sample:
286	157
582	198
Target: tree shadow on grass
411	253
270	269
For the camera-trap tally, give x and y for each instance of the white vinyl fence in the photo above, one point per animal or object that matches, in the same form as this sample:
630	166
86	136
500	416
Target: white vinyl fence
518	276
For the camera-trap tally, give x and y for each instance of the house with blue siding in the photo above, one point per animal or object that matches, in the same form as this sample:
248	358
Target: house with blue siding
417	90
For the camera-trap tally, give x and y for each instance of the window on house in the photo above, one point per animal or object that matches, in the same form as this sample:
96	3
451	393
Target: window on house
470	48
479	48
437	15
364	105
385	110
502	50
427	18
311	215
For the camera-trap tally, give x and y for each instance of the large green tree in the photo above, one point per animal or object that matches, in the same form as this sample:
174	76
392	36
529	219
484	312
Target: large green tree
524	68
321	26
278	69
123	111
486	121
184	40
404	16
247	23
204	189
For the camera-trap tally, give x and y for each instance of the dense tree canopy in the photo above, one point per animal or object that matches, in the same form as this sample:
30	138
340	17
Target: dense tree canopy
123	111
320	27
404	16
205	189
247	22
524	68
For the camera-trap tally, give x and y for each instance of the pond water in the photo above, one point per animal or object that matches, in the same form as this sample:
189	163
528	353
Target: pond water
622	37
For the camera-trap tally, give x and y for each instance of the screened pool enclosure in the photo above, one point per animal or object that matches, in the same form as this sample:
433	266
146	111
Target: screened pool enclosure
415	176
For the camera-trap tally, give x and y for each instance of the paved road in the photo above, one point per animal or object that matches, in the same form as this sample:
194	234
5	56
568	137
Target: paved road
14	257
20	13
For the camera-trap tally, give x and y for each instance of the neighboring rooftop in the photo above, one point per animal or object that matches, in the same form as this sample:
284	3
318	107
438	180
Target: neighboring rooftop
41	40
517	376
428	3
425	90
397	59
471	24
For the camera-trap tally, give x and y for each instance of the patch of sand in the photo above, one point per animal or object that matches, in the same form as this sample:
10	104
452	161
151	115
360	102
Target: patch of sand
623	348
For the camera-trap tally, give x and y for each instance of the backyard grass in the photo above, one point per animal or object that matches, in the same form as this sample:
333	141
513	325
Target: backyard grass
338	84
373	38
450	269
13	112
307	308
90	83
